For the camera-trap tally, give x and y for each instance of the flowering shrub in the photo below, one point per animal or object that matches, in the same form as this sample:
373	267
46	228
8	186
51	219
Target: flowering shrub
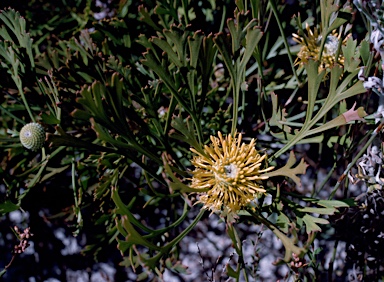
131	124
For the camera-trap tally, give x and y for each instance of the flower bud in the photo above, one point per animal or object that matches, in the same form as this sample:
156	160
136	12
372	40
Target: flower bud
32	136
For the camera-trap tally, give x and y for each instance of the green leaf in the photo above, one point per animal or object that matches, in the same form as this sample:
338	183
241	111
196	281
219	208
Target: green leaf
272	52
333	203
142	276
287	137
116	99
188	133
179	39
240	5
194	44
152	63
252	38
289	243
7	206
337	93
232	273
64	139
164	45
343	140
351	61
87	100
236	241
176	184
349	116
314	80
124	211
223	45
278	116
207	55
36	178
327	8
349	49
134	237
328	211
180	268
365	52
53	172
49	119
123	246
311	223
146	17
288	171
105	183
17	25
3	272
283	222
81	114
339	21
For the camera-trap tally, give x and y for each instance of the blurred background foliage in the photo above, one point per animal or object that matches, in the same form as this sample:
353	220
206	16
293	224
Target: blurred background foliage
125	88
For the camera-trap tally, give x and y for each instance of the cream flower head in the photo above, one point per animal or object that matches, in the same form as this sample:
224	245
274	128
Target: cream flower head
310	48
230	171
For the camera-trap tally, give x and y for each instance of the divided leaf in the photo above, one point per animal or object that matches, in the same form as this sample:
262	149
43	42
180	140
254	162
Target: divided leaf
289	171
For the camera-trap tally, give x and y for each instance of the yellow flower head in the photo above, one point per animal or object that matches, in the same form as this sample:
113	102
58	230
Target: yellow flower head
310	48
230	171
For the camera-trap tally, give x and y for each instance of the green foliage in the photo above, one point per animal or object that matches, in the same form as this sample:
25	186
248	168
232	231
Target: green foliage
124	98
